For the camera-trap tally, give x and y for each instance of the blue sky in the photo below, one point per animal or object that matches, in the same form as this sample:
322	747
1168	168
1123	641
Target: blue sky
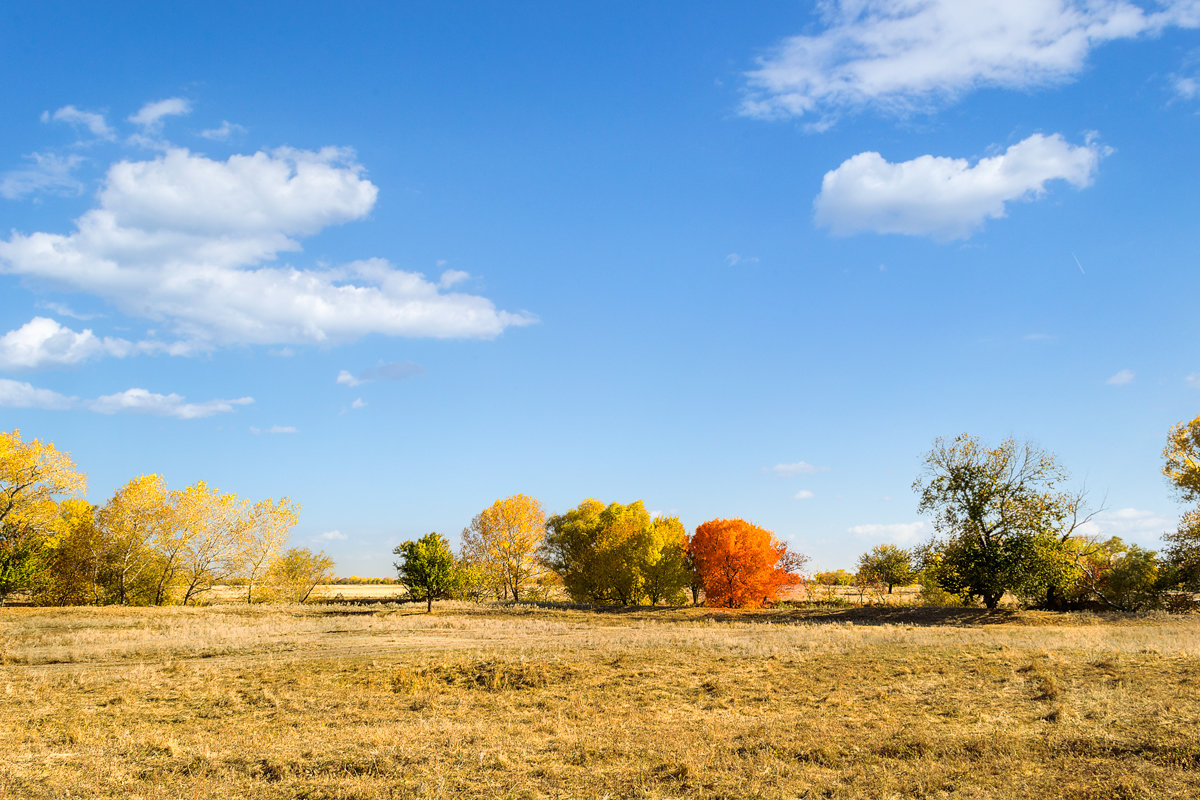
398	261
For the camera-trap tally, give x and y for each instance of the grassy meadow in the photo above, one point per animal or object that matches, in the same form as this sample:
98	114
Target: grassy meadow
529	702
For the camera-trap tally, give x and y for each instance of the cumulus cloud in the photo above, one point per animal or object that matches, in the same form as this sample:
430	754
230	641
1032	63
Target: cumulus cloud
395	371
358	403
901	532
48	173
16	394
331	536
804	494
946	198
797	468
92	120
905	55
43	342
1193	380
151	115
141	401
1122	378
185	240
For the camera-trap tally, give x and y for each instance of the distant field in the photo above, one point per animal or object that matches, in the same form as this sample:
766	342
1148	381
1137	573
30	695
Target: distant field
527	702
229	594
357	592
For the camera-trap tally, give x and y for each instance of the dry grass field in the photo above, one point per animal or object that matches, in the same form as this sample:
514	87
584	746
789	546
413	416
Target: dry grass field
527	702
351	592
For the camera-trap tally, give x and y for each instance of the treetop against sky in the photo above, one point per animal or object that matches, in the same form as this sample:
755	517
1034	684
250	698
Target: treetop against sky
396	262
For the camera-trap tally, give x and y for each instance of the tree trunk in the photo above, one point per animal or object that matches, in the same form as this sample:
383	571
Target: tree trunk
429	602
991	601
889	588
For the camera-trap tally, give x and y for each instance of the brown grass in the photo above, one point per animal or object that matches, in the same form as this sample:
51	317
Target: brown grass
525	702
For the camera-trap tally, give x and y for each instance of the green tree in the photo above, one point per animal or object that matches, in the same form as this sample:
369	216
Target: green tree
996	512
1183	553
427	567
886	564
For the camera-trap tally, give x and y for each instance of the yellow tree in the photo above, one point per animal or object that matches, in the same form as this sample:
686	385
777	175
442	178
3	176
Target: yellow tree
1182	457
1182	468
215	525
78	559
297	572
270	524
504	539
33	476
665	570
137	518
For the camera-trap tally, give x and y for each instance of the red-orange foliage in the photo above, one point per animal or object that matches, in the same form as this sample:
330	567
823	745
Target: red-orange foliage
739	564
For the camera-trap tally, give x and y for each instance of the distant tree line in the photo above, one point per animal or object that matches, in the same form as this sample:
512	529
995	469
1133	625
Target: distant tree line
146	545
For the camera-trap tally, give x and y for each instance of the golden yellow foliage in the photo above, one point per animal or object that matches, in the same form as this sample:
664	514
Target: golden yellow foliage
33	476
1182	457
503	539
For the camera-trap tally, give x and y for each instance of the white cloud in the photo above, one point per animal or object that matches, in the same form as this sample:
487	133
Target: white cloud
15	394
49	173
1121	378
1193	380
900	532
804	494
452	277
358	403
1132	524
92	120
224	133
331	536
798	468
733	259
63	310
183	239
43	342
905	55
946	198
395	371
141	401
150	116
283	429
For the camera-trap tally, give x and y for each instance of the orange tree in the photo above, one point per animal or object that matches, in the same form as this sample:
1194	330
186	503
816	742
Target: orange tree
741	565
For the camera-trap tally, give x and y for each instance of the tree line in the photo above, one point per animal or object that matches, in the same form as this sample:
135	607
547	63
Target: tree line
1005	524
601	555
147	545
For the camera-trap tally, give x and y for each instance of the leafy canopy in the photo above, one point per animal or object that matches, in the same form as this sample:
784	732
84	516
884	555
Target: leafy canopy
996	511
741	565
503	541
427	567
